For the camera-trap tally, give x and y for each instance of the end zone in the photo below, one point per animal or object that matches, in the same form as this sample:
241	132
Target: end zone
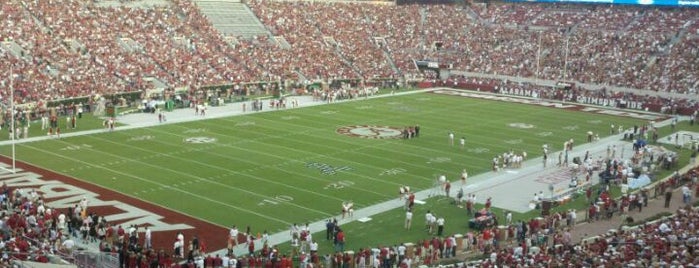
62	192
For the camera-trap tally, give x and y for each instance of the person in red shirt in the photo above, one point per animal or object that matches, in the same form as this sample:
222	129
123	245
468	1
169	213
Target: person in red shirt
251	245
132	260
340	244
346	258
42	258
591	213
487	236
411	200
218	261
447	188
285	262
209	261
120	233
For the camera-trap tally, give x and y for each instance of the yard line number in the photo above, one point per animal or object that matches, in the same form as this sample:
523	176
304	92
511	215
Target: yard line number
338	185
276	200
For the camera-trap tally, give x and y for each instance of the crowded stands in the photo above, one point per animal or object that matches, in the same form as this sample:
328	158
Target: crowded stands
109	49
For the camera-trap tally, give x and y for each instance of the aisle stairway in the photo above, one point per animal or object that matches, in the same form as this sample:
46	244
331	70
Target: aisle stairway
232	17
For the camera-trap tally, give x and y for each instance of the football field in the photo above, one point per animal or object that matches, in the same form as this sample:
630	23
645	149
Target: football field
272	169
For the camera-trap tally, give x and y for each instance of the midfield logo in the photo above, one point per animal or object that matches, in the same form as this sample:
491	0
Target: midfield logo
371	132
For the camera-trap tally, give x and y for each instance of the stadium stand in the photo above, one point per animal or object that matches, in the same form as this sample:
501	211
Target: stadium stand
148	47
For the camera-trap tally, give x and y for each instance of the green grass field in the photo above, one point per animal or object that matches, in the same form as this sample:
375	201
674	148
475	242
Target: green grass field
270	170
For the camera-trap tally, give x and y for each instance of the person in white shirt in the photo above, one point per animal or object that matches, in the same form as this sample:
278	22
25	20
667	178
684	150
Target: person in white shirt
83	204
265	237
313	247
61	221
180	243
401	252
148	244
178	248
224	260
408	219
428	218
408	262
132	230
508	218
68	245
440	226
40	210
432	223
686	194
233	237
442	179
664	228
464	176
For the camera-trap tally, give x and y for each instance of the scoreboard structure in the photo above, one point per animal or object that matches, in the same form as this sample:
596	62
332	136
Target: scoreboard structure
669	3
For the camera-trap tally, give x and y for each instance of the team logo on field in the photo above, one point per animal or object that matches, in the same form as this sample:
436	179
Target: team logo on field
371	132
521	125
200	140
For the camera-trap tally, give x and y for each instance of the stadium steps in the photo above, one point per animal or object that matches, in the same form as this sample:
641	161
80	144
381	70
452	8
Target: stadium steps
474	16
232	17
302	78
74	45
16	50
381	43
281	41
185	42
633	22
676	38
231	40
330	41
391	63
129	45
